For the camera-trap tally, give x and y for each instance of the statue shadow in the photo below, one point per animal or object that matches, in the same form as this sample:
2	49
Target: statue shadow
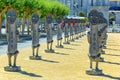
112	45
108	76
112	54
29	74
78	42
74	44
69	48
111	62
61	53
113	49
50	61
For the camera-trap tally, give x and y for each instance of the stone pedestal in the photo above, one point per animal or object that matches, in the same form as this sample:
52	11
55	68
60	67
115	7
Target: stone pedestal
76	38
102	52
80	36
66	42
59	46
104	47
49	51
12	68
91	71
101	59
35	57
72	40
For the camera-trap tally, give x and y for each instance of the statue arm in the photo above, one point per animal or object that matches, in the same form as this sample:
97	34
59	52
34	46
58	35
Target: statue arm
7	35
31	29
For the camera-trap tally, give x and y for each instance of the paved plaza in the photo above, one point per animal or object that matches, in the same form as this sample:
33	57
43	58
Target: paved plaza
68	63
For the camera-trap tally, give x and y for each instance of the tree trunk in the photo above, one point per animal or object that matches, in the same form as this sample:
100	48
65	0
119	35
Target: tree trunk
23	25
45	26
0	24
28	24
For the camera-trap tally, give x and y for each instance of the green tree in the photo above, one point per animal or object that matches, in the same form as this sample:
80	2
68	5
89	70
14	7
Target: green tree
81	14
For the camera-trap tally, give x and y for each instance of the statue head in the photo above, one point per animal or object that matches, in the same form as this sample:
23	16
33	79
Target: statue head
11	16
65	20
49	19
35	18
58	20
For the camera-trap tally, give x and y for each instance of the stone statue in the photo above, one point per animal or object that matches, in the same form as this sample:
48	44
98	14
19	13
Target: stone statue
102	28
49	34
59	33
79	28
93	39
35	32
71	30
66	32
75	28
12	37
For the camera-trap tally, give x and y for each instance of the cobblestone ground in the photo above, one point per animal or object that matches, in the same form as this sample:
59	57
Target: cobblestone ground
68	63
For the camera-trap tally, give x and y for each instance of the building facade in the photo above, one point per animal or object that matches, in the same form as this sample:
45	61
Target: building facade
86	5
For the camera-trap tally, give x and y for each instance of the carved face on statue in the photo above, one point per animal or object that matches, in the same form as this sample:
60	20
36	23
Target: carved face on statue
58	20
11	16
49	19
35	18
65	20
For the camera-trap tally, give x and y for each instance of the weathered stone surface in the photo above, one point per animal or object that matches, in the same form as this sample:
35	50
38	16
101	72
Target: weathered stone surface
35	57
12	68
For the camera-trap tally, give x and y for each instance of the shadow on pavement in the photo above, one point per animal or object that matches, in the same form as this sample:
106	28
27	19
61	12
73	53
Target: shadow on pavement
74	44
29	74
49	61
69	48
112	45
111	62
61	53
109	76
113	49
112	54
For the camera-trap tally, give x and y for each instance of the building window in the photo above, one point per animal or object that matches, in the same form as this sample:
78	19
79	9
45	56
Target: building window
81	3
113	3
100	2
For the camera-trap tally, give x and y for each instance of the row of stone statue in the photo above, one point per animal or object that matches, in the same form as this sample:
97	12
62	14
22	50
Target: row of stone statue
97	37
73	28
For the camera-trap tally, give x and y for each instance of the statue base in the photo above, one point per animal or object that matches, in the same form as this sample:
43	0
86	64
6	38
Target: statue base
101	59
102	52
72	40
35	57
79	36
49	51
76	38
59	46
91	71
66	42
104	47
12	68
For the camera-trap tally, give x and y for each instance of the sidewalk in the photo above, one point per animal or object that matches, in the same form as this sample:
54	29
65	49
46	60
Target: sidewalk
2	42
68	63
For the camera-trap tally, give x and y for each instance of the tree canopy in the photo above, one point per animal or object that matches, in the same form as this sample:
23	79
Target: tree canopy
42	7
